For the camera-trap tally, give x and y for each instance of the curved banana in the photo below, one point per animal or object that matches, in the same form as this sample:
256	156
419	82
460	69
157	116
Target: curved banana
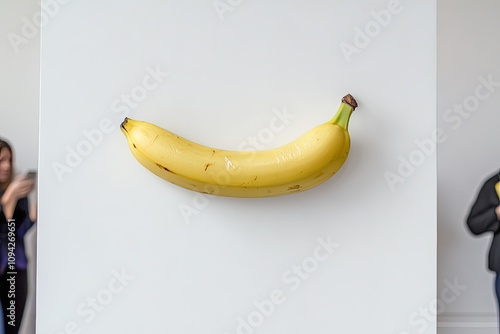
300	165
497	188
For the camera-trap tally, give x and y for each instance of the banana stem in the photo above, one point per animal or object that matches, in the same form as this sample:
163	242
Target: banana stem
344	112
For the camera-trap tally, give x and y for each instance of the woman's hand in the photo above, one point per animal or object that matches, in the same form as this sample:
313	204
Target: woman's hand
20	187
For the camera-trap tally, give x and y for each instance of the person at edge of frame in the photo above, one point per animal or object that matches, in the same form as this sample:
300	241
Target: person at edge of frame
484	217
16	218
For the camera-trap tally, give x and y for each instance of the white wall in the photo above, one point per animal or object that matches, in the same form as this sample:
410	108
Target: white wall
467	51
107	215
19	101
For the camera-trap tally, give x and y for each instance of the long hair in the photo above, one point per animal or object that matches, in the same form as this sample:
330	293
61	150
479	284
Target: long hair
5	144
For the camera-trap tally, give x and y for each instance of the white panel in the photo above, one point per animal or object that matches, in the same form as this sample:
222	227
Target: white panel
104	216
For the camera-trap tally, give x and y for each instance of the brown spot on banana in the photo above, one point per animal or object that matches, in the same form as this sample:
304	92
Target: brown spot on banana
164	168
208	165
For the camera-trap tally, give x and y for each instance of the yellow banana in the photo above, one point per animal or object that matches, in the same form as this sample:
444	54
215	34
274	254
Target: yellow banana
300	165
497	188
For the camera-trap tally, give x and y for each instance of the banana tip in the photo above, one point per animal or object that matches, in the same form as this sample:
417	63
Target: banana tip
349	99
122	126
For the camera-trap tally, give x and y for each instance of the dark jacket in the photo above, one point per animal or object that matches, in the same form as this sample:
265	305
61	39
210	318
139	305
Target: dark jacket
22	224
482	218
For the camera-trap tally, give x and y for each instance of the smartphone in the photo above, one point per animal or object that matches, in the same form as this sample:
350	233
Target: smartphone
31	175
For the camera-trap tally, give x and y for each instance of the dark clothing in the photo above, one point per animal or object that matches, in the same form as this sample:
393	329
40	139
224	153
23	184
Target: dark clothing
482	218
13	265
22	225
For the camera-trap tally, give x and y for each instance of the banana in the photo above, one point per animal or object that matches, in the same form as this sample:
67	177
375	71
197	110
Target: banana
497	188
302	164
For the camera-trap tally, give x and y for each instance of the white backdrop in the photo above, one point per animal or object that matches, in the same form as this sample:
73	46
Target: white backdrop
122	251
468	113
